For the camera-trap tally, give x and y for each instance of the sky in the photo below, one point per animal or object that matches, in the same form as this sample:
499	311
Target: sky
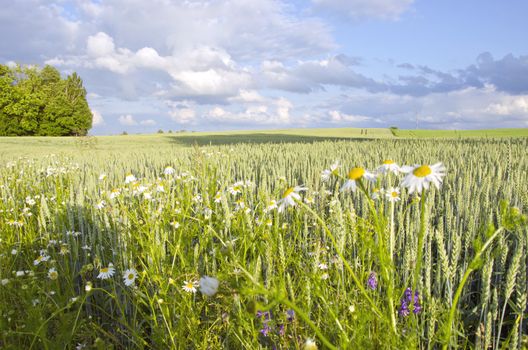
271	64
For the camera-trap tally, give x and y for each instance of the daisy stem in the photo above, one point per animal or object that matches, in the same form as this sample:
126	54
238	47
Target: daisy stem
391	234
421	235
349	269
471	267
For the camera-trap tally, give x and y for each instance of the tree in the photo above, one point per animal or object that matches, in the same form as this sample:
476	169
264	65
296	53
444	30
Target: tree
36	101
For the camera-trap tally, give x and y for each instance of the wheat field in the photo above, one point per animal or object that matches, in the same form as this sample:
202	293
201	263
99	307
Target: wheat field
238	242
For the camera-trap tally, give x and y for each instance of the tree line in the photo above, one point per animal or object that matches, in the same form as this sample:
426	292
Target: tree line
38	101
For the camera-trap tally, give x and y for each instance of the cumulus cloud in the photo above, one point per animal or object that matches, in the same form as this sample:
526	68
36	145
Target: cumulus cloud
127	120
97	118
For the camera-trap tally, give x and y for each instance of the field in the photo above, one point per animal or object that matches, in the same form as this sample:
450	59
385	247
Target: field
203	241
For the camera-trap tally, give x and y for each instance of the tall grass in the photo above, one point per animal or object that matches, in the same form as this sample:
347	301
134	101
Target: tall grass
284	277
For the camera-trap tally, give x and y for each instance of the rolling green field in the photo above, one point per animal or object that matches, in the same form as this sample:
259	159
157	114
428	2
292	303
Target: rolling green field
239	240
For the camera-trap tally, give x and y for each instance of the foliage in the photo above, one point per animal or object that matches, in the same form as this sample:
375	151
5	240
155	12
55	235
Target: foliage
37	101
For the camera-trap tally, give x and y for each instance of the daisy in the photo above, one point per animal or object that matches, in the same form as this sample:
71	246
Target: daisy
101	204
218	197
175	224
209	285
289	197
41	258
421	176
189	286
114	193
236	188
376	193
389	166
106	272
393	194
354	175
169	170
310	345
327	173
130	178
129	277
102	177
53	274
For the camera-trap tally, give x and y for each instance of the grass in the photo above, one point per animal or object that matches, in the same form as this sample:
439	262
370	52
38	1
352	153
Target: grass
335	268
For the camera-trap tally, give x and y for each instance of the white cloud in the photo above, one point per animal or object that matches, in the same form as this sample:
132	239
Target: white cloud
357	9
338	117
183	115
148	122
97	118
509	105
127	120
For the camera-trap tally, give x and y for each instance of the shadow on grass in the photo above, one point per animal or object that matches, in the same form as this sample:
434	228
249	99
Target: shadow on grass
254	138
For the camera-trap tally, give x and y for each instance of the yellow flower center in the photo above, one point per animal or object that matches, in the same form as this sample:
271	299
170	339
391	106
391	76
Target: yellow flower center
356	173
287	192
422	171
388	162
54	275
104	270
130	276
189	285
394	194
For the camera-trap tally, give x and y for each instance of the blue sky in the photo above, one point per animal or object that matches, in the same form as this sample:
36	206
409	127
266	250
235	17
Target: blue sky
262	64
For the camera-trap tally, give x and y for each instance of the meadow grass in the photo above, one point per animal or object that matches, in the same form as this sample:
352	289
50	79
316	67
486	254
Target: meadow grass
335	269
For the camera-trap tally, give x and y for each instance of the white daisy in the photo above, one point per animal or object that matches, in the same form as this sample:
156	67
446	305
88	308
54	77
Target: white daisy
354	175
389	166
106	272
327	173
209	285
218	197
101	204
130	178
41	258
272	204
236	188
114	193
421	176
53	274
289	197
169	170
376	193
309	344
393	194
129	277
189	286
102	177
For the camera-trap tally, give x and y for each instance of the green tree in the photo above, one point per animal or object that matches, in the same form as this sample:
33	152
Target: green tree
37	101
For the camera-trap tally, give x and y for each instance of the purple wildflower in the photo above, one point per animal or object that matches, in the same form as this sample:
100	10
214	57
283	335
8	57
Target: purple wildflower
417	306
404	309
265	330
291	314
265	315
408	299
372	281
407	295
281	330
